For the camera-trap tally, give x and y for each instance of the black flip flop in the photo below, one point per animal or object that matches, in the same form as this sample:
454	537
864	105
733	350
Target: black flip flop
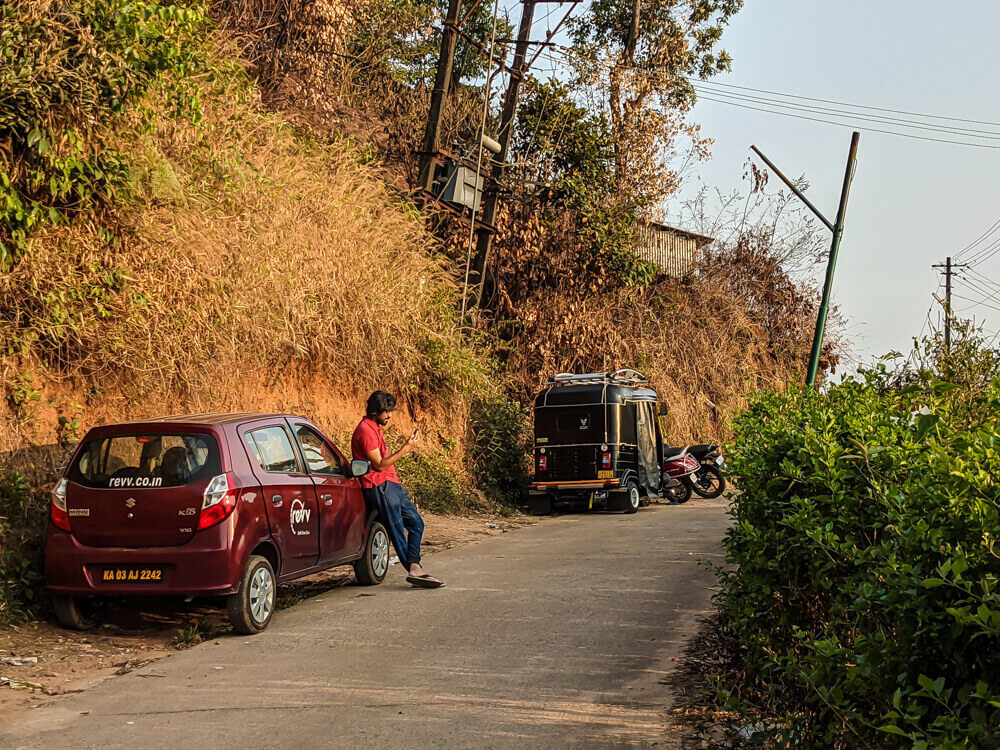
424	581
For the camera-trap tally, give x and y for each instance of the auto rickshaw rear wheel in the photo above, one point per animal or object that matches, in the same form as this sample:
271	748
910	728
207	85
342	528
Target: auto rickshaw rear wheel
633	496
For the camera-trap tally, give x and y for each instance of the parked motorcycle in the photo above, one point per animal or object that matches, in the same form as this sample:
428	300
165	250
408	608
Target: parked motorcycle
708	481
679	466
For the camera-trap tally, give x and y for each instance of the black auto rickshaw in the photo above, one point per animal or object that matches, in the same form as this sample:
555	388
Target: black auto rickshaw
597	442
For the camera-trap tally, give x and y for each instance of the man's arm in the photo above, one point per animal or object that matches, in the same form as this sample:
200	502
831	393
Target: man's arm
381	464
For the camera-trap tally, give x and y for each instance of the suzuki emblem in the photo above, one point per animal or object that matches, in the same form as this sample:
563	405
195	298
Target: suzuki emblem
130	503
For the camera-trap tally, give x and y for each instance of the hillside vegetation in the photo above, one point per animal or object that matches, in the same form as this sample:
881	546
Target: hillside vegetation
179	236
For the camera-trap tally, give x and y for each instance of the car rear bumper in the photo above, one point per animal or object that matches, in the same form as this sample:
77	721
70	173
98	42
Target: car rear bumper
204	566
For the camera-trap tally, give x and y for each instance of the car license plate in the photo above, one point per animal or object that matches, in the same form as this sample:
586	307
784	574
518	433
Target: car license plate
131	574
605	474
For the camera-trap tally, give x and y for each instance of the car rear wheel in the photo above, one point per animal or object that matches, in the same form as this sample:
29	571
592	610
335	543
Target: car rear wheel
709	482
374	564
633	497
251	608
74	613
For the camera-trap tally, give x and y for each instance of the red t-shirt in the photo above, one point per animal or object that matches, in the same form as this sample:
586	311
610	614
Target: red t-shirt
368	437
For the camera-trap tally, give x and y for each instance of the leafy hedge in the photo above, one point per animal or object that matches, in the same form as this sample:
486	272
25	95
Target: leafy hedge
864	565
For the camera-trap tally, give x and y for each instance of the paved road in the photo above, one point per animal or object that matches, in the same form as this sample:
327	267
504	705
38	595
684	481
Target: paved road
555	635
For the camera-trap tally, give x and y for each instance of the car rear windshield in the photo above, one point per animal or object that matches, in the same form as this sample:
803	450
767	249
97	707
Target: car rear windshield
137	461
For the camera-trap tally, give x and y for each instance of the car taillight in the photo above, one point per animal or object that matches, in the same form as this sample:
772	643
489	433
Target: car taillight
543	463
60	518
605	460
219	502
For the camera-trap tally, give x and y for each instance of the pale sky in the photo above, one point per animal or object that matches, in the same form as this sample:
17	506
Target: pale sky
912	202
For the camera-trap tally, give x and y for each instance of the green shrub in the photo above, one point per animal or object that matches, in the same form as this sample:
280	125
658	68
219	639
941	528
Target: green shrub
22	524
863	564
499	447
433	484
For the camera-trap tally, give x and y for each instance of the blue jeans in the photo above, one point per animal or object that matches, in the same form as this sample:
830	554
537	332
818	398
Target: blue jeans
401	519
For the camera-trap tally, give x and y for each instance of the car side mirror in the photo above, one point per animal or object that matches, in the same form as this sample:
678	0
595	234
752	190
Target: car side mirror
661	409
360	467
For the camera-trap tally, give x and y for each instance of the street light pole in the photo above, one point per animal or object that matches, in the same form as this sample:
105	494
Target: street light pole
837	228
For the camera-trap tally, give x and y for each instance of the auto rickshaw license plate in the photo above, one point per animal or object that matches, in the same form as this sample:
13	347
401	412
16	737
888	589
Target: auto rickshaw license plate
605	474
132	574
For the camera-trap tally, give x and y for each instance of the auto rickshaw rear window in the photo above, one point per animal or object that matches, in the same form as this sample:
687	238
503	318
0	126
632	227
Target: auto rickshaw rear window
146	461
570	425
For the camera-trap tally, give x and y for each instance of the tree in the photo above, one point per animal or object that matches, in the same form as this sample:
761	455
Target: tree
639	55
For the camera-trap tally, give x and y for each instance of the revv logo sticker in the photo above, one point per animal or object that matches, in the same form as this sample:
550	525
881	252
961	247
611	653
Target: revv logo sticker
299	515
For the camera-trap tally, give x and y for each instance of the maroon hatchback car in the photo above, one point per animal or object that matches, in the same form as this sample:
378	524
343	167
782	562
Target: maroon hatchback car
207	505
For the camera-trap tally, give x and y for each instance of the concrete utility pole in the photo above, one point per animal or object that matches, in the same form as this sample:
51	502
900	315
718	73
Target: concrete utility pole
484	235
442	84
838	230
949	269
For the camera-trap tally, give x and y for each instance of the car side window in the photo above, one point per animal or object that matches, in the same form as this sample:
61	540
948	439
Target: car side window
273	450
319	457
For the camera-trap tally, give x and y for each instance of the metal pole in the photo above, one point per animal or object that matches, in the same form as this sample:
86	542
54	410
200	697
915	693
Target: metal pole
838	231
442	84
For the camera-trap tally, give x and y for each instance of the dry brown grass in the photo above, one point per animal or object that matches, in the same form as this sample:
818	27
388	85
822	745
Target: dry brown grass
706	342
253	255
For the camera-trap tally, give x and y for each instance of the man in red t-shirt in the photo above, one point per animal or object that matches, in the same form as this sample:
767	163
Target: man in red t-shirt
384	492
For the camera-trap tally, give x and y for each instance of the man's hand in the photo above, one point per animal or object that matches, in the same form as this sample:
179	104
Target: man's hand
414	438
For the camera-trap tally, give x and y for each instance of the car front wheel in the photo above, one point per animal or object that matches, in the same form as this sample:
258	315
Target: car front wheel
374	564
251	607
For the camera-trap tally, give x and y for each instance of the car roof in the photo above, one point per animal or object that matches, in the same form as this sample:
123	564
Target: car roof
212	418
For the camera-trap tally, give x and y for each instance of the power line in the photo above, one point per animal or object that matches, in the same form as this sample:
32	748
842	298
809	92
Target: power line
847	104
772	106
977	302
978	240
984	254
983	278
851	125
889	121
990	295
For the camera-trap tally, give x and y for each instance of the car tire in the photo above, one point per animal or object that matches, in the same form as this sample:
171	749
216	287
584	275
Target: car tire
252	606
633	497
371	567
540	505
715	480
74	613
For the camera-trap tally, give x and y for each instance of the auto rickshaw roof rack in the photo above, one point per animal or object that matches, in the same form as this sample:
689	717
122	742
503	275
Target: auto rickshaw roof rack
618	377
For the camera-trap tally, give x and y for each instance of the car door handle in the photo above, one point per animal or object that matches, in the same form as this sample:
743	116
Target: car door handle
327	499
276	499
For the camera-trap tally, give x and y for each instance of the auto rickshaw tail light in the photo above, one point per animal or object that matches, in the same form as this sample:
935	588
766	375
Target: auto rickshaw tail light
606	460
543	463
59	514
219	501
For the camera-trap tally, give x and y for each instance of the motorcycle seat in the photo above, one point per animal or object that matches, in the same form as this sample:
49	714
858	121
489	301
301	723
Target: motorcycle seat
700	451
669	453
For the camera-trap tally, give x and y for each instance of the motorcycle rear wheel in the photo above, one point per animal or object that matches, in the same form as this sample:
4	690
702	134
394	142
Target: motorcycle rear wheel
709	481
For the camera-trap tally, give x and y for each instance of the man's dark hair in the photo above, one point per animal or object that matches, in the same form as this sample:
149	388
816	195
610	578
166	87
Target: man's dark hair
379	402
